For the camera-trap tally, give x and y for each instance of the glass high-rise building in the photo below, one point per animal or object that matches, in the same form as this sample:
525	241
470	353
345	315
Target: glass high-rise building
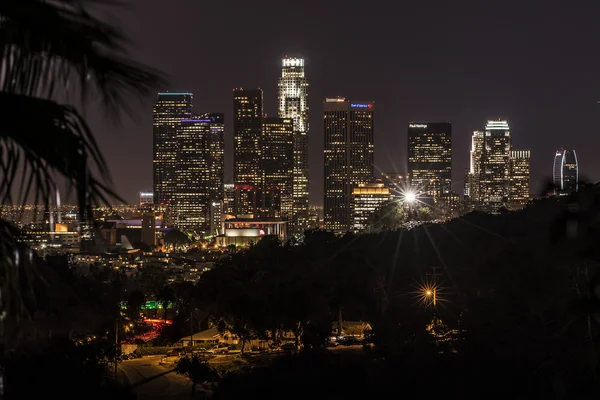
472	175
566	171
348	135
430	158
277	161
519	177
494	165
200	171
247	128
229	199
170	108
293	103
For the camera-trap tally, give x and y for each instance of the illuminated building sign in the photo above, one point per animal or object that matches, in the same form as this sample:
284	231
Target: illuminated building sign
361	105
293	62
417	125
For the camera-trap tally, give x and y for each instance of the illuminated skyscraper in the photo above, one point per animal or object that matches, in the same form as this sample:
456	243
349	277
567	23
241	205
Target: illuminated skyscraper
430	158
277	160
566	171
146	198
258	201
247	128
472	176
229	199
494	170
293	103
169	110
348	134
367	198
519	177
200	171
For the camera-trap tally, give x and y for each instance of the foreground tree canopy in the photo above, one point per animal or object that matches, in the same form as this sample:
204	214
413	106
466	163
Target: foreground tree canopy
53	52
515	289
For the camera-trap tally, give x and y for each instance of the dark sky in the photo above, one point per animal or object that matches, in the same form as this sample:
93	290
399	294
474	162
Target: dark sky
533	62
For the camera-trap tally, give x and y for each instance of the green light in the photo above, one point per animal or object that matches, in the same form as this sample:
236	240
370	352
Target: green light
149	305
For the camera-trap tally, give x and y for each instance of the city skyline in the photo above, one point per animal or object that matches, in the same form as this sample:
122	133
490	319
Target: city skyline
524	92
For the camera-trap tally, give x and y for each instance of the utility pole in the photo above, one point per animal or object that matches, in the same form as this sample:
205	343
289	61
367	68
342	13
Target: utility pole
116	348
434	277
192	331
340	321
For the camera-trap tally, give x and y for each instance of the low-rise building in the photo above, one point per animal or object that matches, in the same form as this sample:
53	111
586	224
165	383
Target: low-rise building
367	198
248	230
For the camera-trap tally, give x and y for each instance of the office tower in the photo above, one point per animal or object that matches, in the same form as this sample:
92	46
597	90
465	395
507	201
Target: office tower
430	158
149	229
200	170
566	171
494	170
348	134
519	177
258	201
146	198
277	162
398	183
247	127
472	176
215	124
169	110
216	213
267	202
367	198
293	103
229	199
244	200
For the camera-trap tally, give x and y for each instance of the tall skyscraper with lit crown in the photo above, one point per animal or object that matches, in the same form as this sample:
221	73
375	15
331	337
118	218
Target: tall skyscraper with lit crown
293	103
170	108
494	165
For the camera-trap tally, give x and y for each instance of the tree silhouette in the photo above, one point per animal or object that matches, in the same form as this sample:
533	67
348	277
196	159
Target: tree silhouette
197	370
176	238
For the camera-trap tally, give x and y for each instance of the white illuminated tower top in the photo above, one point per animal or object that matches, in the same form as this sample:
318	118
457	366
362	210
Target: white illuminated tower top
293	93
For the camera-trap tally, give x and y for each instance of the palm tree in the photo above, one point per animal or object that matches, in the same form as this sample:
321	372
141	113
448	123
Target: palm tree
53	52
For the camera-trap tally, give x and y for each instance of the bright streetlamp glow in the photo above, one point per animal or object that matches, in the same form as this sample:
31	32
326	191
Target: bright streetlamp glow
410	197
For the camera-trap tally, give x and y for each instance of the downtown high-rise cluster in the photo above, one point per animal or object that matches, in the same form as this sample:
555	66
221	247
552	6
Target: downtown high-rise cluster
499	176
271	168
270	157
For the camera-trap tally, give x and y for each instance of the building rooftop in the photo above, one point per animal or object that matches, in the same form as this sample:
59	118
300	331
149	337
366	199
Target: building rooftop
248	219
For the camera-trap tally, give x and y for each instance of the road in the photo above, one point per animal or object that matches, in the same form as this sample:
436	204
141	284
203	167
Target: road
152	381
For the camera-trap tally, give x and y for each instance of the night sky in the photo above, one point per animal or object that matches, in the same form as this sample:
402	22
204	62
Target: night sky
535	63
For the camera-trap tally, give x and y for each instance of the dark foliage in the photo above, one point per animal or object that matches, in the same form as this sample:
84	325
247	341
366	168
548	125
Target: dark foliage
516	289
63	370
